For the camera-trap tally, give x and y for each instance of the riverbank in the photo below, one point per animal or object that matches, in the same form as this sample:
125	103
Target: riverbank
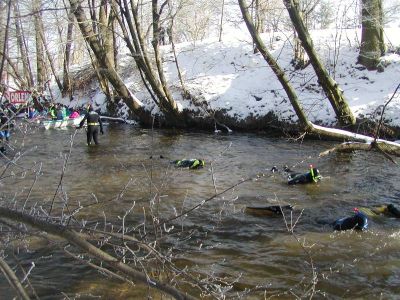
238	89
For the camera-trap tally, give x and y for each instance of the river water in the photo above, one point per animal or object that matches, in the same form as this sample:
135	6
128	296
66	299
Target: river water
132	165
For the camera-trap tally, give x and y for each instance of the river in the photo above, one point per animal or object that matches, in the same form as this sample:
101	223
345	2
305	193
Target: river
132	165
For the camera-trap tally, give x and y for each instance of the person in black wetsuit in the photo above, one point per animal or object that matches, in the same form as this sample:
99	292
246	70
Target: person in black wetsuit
93	125
359	221
4	130
311	176
193	163
385	209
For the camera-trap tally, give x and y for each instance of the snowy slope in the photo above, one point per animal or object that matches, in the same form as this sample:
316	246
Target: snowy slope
232	78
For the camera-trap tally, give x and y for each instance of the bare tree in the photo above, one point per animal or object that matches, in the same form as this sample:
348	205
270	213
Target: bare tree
171	36
50	57
23	49
280	74
332	91
67	84
106	66
153	77
222	20
40	59
4	41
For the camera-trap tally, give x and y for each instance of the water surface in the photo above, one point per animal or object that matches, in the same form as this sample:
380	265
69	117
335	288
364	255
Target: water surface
131	168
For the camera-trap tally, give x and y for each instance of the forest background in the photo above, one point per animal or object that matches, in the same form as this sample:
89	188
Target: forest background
194	63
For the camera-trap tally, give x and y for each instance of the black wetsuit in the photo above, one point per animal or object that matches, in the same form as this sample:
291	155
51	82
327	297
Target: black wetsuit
4	130
189	163
359	222
93	124
296	178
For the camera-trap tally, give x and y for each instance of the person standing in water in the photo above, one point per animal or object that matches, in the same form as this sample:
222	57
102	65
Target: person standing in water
4	130
93	125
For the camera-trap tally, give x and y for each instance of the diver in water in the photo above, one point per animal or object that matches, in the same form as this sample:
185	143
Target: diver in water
311	176
93	125
193	163
271	210
386	209
359	221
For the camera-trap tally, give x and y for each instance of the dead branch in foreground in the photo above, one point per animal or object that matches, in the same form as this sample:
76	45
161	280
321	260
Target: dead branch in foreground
74	238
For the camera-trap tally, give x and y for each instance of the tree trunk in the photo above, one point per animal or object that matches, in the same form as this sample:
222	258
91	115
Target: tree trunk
280	74
13	72
330	87
49	57
372	40
21	41
105	37
105	65
134	40
221	21
3	43
40	62
172	41
167	100
386	148
67	84
299	57
99	27
106	20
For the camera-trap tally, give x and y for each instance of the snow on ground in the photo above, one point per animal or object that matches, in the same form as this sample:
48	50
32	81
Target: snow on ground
230	77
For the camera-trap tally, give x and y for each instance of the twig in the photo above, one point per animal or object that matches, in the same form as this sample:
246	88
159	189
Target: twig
378	128
92	265
31	188
209	199
63	171
303	246
13	279
26	275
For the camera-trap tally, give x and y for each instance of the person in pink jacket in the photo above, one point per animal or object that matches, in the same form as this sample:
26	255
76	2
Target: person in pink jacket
74	115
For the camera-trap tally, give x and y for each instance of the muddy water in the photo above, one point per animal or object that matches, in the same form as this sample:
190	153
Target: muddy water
258	251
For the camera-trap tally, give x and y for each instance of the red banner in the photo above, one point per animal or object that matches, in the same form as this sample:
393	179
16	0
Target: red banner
18	97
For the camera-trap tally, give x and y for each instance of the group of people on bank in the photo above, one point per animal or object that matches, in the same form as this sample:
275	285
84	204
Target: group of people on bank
61	112
91	117
53	111
50	110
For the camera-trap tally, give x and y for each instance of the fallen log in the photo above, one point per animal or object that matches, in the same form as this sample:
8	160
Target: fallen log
355	141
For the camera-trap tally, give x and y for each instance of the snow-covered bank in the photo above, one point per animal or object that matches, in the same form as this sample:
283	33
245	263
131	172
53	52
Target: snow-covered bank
233	80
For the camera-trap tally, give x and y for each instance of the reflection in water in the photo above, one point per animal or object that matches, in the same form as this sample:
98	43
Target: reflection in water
132	165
